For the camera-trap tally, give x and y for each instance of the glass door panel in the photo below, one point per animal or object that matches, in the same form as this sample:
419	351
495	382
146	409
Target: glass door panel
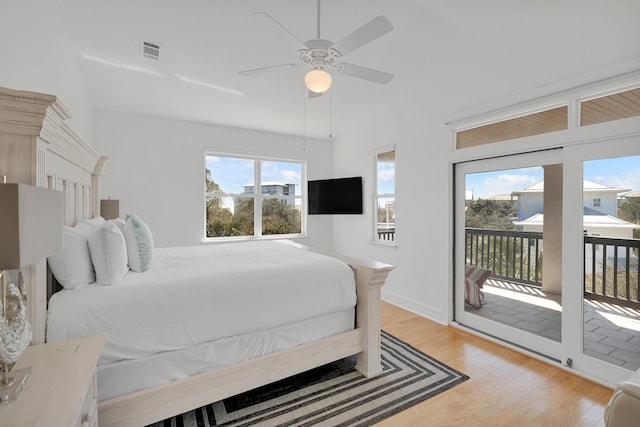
508	226
611	223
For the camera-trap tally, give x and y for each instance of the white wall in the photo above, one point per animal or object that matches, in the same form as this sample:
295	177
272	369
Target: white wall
36	55
157	170
463	67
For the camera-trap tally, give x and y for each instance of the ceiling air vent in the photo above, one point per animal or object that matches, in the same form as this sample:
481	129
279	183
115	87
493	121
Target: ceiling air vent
150	50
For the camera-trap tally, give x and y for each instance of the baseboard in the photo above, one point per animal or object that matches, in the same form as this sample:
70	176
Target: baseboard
431	313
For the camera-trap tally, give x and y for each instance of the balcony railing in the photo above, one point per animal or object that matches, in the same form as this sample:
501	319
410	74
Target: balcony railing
611	270
611	265
387	234
511	255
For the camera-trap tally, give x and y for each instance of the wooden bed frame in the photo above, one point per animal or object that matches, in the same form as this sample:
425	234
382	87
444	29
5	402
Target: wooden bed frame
57	158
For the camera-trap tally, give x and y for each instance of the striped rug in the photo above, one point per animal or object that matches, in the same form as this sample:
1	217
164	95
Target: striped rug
334	394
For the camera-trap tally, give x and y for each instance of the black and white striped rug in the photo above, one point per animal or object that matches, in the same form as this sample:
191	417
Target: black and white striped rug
334	394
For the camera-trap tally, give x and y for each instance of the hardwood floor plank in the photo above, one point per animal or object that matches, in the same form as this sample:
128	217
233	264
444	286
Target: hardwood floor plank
506	388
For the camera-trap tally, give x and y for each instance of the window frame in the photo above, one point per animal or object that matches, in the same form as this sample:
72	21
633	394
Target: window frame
375	196
257	196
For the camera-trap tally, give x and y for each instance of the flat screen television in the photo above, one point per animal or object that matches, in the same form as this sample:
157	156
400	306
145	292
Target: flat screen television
335	196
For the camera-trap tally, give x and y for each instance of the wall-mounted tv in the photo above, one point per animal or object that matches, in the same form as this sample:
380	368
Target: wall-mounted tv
335	196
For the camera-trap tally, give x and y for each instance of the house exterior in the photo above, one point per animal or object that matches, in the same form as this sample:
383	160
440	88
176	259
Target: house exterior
600	205
273	188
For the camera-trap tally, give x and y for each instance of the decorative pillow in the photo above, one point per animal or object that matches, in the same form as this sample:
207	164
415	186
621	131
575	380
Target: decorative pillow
139	243
72	266
478	275
472	293
474	278
108	253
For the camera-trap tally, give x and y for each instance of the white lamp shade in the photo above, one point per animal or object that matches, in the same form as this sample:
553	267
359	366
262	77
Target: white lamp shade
31	224
317	81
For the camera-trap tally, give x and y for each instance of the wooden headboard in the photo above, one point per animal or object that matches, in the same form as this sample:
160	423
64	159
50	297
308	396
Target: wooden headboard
37	147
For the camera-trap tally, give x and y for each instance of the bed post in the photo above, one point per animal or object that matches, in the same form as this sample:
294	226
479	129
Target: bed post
370	277
369	280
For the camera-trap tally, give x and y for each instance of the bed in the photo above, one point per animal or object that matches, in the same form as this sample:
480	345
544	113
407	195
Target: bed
207	322
62	161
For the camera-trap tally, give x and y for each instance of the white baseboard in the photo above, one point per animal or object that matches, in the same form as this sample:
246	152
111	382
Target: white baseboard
431	313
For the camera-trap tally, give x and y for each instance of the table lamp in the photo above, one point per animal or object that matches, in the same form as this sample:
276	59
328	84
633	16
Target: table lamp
31	228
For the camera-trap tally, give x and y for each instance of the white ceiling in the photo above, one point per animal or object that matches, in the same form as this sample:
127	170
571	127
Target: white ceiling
446	55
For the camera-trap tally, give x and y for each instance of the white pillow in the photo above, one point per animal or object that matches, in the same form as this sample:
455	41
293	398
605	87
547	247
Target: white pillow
108	253
90	224
119	222
139	243
72	266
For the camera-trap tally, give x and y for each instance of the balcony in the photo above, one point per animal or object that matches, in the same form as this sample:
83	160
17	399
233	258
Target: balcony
386	231
514	295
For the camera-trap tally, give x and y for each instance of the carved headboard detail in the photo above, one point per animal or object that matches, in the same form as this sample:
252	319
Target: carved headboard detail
37	147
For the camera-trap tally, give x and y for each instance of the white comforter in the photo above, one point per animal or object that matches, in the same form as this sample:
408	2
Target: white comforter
192	295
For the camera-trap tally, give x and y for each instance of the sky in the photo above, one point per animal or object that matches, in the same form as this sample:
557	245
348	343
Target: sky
233	174
622	172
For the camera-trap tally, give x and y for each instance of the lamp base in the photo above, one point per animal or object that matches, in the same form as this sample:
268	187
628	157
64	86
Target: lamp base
11	388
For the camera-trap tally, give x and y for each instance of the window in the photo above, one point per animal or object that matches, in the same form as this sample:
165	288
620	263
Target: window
385	199
596	202
252	197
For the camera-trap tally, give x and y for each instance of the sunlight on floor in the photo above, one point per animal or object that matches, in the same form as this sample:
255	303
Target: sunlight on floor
529	299
621	321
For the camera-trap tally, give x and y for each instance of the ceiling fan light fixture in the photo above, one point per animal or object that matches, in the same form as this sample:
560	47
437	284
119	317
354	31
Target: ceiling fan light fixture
317	80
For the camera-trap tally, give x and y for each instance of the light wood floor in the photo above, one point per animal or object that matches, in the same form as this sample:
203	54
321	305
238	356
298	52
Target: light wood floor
506	388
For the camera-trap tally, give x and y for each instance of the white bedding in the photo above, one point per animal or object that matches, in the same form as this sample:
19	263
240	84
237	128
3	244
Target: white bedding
193	295
127	376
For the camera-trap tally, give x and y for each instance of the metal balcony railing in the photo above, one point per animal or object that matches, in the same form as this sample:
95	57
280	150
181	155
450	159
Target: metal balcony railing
387	235
611	270
611	265
511	255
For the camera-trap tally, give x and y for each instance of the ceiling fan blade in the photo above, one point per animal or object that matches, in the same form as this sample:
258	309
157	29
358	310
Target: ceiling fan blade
313	94
370	31
365	73
269	69
280	25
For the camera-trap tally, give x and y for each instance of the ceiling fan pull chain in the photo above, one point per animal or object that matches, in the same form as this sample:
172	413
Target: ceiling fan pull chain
331	115
304	120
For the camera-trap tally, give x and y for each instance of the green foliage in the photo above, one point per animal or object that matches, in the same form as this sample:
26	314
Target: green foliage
277	217
490	214
629	211
507	257
386	213
620	288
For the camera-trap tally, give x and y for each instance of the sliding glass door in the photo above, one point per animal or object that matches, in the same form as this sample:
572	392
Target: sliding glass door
546	253
603	315
508	226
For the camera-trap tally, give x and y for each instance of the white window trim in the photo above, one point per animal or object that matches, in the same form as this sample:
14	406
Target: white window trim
375	196
257	196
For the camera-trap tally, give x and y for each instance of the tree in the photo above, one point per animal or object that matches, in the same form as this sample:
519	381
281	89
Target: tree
219	217
386	214
490	214
279	218
629	211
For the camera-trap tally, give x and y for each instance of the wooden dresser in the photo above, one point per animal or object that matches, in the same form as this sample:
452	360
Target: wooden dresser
61	390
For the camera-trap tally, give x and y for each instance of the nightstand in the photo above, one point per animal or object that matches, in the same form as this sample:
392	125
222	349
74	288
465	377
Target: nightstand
61	390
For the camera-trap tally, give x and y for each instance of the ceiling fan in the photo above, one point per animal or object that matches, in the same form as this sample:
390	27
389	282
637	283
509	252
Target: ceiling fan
322	56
